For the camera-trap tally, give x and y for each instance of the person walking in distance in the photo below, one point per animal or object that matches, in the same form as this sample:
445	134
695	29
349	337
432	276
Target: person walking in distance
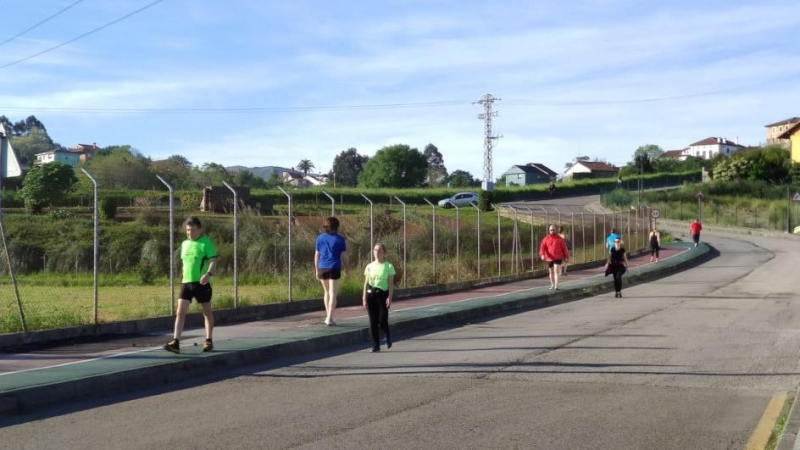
198	260
617	264
330	252
554	251
695	229
655	244
377	295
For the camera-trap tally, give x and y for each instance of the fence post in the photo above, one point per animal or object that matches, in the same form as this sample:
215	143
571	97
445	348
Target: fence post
479	237
433	230
458	242
289	237
333	205
171	243
405	245
371	227
499	246
96	241
533	239
235	245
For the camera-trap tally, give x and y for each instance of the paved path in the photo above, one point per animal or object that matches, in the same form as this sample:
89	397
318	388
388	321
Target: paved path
67	372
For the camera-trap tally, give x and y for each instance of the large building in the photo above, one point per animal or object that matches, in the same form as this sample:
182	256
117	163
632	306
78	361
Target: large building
792	135
531	173
777	129
711	147
61	156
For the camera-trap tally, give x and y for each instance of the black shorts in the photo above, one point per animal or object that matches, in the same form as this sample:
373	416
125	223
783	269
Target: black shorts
556	262
696	238
201	292
330	274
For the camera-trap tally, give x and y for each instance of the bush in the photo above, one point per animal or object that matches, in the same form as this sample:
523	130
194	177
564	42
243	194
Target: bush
108	208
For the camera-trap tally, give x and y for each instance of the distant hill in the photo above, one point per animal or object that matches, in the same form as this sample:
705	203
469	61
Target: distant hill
263	172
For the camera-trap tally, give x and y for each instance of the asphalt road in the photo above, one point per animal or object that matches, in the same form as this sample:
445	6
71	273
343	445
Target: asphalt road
688	362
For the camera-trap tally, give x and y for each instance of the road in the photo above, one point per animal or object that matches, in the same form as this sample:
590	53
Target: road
689	362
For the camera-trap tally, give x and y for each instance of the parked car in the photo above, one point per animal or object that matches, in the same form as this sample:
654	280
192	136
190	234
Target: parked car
460	199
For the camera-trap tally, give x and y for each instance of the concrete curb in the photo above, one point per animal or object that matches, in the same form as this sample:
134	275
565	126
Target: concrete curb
165	368
788	440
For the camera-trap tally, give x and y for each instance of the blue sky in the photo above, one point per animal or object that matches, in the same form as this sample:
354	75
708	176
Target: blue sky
260	83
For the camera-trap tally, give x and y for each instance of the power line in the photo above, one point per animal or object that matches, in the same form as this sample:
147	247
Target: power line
40	23
115	21
240	110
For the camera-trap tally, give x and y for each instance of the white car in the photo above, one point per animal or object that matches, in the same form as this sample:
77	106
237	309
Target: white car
460	199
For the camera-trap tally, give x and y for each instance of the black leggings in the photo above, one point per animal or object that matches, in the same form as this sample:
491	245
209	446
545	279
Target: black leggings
378	315
654	251
617	274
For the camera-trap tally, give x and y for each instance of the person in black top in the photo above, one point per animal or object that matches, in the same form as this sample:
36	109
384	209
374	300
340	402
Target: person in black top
617	264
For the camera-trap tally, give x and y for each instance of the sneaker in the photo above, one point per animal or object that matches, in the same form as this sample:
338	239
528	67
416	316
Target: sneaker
388	342
330	323
620	295
208	345
551	287
375	349
555	288
173	346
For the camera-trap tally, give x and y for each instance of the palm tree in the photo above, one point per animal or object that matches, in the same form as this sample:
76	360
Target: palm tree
305	165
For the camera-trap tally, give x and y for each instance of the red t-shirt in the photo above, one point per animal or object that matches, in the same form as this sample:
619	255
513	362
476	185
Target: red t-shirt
554	248
695	227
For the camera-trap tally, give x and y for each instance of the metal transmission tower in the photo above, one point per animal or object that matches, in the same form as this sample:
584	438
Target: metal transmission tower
487	101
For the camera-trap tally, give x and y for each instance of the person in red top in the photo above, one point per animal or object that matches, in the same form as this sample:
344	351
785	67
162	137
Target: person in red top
554	251
695	228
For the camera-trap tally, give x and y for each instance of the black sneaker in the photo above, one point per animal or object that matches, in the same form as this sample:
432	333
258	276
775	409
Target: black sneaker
375	349
208	345
388	342
173	346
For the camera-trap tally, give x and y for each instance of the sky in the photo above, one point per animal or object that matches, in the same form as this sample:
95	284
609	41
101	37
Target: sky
261	83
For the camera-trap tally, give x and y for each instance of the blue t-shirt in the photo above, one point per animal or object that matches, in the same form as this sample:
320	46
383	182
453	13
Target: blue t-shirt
330	248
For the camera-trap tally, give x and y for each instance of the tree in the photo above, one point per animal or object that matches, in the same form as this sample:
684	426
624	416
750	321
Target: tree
30	143
347	166
47	184
461	178
122	167
247	179
176	169
211	174
304	166
437	172
653	152
396	166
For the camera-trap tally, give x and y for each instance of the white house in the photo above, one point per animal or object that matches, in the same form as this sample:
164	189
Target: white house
590	169
711	147
61	156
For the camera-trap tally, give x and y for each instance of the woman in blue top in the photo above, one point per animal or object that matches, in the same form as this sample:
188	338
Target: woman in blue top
329	253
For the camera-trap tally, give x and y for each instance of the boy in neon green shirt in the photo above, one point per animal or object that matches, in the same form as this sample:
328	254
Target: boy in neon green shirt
198	258
377	296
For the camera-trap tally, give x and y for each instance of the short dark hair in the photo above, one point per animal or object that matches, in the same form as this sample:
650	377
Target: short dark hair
331	225
193	221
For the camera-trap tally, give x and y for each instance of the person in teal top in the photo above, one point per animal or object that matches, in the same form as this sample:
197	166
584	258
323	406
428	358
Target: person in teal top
377	296
198	258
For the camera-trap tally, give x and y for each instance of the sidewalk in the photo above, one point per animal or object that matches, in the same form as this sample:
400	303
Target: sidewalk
93	369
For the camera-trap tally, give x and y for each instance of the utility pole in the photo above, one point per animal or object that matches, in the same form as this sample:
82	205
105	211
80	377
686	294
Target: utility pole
486	101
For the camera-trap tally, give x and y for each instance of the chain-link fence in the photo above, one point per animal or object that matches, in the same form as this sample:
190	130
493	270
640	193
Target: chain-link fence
101	262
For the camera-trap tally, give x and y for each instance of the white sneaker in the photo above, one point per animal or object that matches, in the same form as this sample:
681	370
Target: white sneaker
551	287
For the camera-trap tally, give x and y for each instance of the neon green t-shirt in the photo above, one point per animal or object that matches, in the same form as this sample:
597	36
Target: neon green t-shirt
378	274
196	257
